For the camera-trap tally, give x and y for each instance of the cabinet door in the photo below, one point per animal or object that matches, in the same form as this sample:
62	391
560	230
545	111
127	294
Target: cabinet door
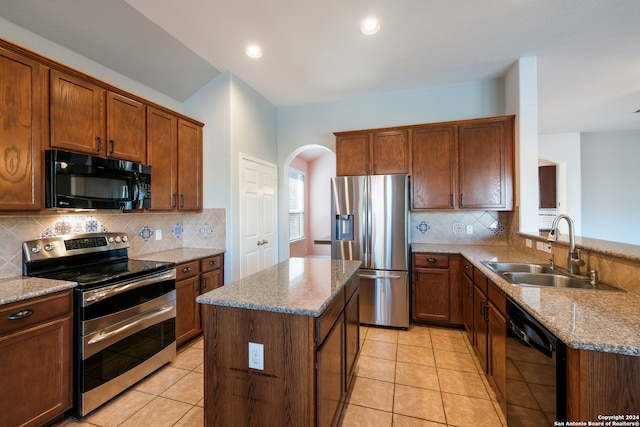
486	164
21	105
467	292
497	351
547	186
162	155
77	115
187	317
480	326
330	375
189	166
433	167
35	374
352	330
210	281
126	128
431	295
390	152
353	154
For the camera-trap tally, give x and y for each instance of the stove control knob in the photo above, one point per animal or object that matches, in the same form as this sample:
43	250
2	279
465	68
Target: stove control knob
36	249
118	239
125	239
110	239
49	247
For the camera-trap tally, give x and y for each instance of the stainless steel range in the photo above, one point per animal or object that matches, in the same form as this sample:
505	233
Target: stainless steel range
124	311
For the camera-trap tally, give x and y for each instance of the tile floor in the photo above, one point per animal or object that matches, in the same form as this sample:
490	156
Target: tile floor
423	377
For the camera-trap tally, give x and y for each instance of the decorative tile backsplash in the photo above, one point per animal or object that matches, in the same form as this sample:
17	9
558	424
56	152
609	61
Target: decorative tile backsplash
460	227
199	230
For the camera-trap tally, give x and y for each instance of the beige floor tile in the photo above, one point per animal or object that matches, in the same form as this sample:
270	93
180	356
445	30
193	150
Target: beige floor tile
380	349
417	339
199	368
455	360
189	358
189	389
199	343
119	409
447	332
418	403
360	416
501	410
464	383
417	376
363	331
379	334
193	418
449	343
404	421
372	394
73	422
416	355
161	380
160	412
464	411
376	368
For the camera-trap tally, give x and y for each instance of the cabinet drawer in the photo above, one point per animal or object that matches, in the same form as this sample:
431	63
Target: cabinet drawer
467	267
497	298
431	261
187	269
211	263
329	317
351	287
480	280
24	314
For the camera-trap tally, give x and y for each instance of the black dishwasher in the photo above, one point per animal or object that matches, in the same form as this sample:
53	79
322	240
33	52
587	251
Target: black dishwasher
536	371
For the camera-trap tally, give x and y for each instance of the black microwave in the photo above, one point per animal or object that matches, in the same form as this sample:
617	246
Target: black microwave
80	181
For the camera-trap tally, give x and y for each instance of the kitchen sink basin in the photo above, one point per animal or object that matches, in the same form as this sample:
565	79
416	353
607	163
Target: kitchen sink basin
540	275
520	267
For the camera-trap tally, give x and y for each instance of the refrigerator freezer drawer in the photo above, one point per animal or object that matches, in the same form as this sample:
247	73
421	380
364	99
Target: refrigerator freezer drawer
384	298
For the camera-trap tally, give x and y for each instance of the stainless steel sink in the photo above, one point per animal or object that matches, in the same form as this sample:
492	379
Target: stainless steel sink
540	275
521	267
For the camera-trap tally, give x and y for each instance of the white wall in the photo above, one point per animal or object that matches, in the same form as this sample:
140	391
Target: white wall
564	150
315	123
321	170
610	176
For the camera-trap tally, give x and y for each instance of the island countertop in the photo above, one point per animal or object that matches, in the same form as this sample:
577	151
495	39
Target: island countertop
303	286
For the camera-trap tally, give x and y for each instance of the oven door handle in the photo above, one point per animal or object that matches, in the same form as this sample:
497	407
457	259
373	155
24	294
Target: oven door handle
91	297
105	334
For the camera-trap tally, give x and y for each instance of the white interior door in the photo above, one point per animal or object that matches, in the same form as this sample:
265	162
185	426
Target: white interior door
258	212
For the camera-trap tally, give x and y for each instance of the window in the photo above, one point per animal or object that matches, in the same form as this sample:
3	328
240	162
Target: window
296	205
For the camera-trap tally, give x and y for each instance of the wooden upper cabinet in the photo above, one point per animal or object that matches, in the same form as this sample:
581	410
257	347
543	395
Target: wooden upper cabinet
126	128
21	114
353	154
189	166
162	155
433	167
486	164
376	152
390	152
77	114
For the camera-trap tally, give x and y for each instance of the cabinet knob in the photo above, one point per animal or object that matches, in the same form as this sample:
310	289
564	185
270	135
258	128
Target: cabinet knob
186	269
431	260
212	262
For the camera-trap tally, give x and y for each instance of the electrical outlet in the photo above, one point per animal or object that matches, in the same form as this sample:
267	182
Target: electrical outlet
469	229
158	234
256	356
527	242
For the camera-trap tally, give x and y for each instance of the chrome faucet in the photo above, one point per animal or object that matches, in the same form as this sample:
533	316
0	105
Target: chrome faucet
573	258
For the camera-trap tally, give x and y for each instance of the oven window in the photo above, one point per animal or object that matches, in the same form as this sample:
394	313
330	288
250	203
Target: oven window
126	354
126	300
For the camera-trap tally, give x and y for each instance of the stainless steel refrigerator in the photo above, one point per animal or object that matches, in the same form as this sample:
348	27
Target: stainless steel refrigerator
370	224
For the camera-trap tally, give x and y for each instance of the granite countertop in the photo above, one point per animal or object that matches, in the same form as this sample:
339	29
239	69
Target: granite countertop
180	255
19	288
582	319
303	286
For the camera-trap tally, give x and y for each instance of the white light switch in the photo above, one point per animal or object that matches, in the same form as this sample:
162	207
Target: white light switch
256	356
469	229
158	234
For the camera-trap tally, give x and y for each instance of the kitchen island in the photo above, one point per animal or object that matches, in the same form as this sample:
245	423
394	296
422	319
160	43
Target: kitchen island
281	344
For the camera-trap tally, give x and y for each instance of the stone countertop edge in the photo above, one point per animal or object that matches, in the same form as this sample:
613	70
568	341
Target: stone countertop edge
308	293
582	319
180	255
20	288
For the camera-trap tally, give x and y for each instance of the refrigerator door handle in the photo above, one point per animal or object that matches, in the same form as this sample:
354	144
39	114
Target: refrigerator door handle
370	276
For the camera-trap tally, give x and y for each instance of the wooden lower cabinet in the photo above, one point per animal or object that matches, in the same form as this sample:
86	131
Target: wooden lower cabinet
467	298
330	375
436	291
36	355
192	279
496	343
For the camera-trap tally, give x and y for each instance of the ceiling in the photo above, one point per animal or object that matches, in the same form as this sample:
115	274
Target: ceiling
588	51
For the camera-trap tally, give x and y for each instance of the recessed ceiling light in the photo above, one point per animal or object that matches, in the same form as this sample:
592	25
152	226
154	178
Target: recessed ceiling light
253	51
370	26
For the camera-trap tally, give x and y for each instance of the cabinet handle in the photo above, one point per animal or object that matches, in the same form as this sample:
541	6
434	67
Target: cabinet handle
470	291
113	146
486	311
186	269
182	200
452	196
99	149
461	200
21	314
431	260
173	200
